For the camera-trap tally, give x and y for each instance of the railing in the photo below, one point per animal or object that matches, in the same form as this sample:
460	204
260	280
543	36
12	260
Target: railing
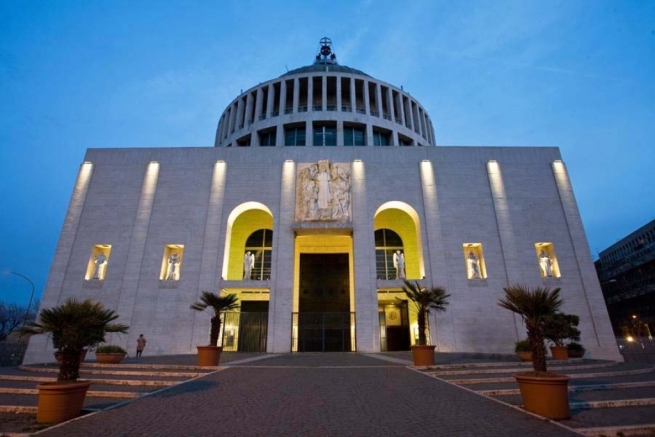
323	332
244	331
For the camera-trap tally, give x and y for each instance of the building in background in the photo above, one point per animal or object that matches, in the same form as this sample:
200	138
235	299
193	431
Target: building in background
325	189
626	271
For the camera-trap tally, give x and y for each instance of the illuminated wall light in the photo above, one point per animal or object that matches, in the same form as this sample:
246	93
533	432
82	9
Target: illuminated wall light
357	160
288	160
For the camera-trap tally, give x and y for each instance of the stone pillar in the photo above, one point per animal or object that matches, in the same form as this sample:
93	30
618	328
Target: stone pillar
247	120
310	93
296	94
39	348
324	93
283	97
259	103
271	99
338	95
378	98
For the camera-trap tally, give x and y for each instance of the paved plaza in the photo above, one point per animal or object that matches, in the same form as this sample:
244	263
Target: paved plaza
322	394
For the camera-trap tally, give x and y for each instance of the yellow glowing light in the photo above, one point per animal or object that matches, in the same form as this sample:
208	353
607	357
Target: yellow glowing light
629	339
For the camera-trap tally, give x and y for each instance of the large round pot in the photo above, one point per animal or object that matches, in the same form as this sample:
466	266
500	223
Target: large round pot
60	401
547	396
209	355
114	358
559	352
423	355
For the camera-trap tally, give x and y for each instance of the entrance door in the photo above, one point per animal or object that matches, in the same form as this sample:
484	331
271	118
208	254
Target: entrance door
324	317
253	326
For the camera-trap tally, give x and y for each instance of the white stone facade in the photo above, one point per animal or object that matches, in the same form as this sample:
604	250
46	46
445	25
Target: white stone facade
137	202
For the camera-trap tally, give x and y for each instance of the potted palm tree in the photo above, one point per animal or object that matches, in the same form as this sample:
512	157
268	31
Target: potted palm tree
73	326
544	393
558	328
425	299
210	355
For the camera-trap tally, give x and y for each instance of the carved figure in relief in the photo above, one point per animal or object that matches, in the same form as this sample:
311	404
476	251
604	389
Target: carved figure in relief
473	266
399	264
546	265
248	264
173	261
323	192
100	261
323	180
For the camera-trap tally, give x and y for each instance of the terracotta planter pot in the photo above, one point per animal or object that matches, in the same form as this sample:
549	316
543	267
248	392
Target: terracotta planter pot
209	355
575	353
525	356
423	355
546	396
104	358
60	401
559	352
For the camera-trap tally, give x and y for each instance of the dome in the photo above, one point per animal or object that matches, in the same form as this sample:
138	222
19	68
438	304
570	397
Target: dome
324	104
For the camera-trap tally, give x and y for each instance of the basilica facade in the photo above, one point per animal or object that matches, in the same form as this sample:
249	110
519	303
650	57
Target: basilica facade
324	191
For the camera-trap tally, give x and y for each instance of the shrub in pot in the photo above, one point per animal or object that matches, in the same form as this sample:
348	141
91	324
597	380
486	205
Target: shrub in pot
544	393
73	326
558	328
424	299
522	349
575	350
210	355
110	354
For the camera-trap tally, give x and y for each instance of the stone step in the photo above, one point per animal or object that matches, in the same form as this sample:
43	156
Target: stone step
502	369
127	382
118	372
90	393
619	431
575	388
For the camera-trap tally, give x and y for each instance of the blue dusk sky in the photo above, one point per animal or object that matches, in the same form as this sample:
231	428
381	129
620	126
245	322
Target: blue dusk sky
576	74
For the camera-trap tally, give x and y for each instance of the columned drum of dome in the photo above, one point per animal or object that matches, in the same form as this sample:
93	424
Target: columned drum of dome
315	204
347	101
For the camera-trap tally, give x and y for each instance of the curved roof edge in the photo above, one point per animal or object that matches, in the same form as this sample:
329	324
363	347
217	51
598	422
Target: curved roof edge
325	67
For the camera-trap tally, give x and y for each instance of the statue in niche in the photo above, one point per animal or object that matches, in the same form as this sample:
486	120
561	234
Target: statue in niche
399	264
546	264
473	266
323	192
248	264
100	261
173	261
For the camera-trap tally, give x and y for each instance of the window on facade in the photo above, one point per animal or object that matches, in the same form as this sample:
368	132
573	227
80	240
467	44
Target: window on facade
294	136
260	245
354	136
380	138
548	265
325	136
387	242
171	266
267	139
474	259
96	269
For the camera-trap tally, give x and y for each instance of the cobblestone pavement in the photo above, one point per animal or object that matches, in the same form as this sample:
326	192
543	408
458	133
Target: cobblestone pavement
331	394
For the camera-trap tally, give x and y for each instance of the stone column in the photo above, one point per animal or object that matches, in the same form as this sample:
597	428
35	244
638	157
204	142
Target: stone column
296	94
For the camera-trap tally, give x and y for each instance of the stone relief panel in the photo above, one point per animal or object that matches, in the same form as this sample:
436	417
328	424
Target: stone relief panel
323	192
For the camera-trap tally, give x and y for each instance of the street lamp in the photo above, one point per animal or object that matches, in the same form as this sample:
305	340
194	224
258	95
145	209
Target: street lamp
27	312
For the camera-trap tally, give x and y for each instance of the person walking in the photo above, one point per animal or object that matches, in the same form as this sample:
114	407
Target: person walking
140	344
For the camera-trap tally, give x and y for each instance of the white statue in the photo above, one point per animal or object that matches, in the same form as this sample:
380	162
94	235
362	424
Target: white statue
100	261
399	264
173	261
546	265
248	264
473	266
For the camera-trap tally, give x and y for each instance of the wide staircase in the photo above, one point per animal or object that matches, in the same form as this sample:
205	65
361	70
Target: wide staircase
606	398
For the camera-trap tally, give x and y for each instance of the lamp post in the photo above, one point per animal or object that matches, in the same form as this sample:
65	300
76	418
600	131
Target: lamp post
27	312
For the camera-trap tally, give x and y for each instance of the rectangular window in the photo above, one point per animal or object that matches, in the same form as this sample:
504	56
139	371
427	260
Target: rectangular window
96	269
294	136
548	265
354	136
171	265
325	136
474	258
267	139
380	138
